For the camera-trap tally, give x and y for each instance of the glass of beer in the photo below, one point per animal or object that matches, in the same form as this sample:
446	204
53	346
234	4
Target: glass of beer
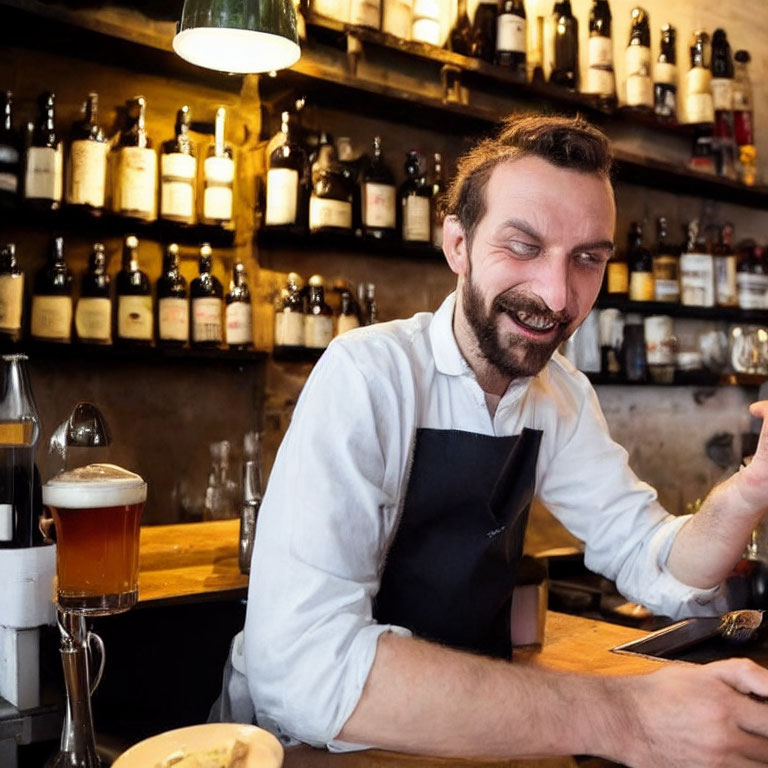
96	512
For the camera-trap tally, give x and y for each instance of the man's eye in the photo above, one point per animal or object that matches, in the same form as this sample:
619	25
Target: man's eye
592	259
526	250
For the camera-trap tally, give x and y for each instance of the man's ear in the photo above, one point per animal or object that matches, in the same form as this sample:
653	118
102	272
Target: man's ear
455	246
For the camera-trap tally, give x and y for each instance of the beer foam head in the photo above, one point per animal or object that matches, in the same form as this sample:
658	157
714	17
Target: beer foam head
95	485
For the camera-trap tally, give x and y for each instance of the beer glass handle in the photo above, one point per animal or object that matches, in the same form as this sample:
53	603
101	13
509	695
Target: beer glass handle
95	642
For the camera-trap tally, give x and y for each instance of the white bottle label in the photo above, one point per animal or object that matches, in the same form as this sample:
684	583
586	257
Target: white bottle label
318	331
93	318
722	93
206	319
665	73
396	18
379	202
44	173
134	317
639	85
600	78
726	293
219	175
699	108
173	319
6	522
753	290
87	173
600	81
697	280
282	194
136	183
425	30
52	317
416	218
11	301
9	182
329	213
177	186
365	13
289	329
600	51
239	323
510	33
333	9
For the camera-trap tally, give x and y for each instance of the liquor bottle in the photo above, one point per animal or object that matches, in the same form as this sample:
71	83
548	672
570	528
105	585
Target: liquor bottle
638	62
10	154
285	205
378	198
365	13
347	318
134	165
238	315
172	302
20	496
666	266
722	101
415	198
207	297
726	290
752	278
616	283
438	201
743	130
699	108
484	31
44	170
253	492
511	37
536	52
601	81
289	315
87	167
218	177
697	270
351	168
318	321
565	64
425	22
52	298
370	307
461	35
665	77
134	298
641	287
178	173
330	202
396	18
11	294
93	313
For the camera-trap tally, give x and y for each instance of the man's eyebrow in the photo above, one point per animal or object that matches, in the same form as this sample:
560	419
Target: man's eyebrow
597	245
526	229
523	227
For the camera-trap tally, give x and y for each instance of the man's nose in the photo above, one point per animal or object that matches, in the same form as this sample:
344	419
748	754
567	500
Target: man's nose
553	282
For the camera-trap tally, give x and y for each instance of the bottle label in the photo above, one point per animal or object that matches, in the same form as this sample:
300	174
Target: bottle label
206	319
346	323
134	317
699	109
87	173
6	522
425	30
617	278
93	319
741	100
219	175
753	290
697	280
666	279
11	301
510	33
329	213
44	173
177	187
136	183
416	219
52	317
600	81
641	286
239	320
379	205
282	194
9	182
365	13
396	19
600	52
726	292
722	93
289	329
318	331
173	319
666	73
639	85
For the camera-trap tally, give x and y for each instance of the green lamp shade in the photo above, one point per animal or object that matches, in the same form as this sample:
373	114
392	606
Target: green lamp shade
244	36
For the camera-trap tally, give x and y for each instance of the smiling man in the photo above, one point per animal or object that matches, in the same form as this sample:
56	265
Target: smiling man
385	555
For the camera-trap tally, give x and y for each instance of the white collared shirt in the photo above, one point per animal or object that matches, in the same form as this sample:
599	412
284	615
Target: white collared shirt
333	500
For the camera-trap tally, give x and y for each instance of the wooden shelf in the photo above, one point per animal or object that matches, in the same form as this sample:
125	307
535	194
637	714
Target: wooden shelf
685	379
716	314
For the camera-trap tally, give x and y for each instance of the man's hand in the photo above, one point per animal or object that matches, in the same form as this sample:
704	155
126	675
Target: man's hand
753	479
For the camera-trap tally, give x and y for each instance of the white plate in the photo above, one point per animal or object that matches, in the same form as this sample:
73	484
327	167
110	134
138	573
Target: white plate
265	751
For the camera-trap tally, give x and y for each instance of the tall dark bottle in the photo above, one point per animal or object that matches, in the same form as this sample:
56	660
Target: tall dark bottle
93	313
600	80
641	286
11	294
238	315
134	298
484	30
460	36
87	163
511	37
565	66
638	62
330	203
379	197
286	175
172	301
20	498
178	173
722	101
43	173
415	197
207	299
10	153
665	77
52	298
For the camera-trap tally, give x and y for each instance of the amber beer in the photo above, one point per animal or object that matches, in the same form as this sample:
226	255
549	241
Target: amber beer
96	511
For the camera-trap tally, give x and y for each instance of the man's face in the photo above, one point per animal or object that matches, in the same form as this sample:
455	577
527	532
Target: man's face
536	264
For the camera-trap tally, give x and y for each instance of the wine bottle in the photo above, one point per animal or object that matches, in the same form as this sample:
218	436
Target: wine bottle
289	315
743	118
616	282
438	202
396	18
44	170
178	173
318	321
11	294
726	289
697	270
638	62
348	318
135	166
752	278
640	263
93	313
666	266
665	77
87	167
511	37
134	298
285	200
238	314
425	22
10	154
565	66
207	297
415	199
484	31
600	80
52	298
379	194
172	301
219	177
722	101
699	109
330	203
460	36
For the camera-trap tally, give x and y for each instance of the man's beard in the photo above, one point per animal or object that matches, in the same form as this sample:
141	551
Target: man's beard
513	355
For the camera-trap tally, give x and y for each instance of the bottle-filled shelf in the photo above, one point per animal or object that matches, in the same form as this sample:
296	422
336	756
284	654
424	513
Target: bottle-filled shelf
699	378
716	314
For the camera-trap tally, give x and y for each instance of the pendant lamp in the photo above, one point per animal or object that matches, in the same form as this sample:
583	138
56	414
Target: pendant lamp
243	36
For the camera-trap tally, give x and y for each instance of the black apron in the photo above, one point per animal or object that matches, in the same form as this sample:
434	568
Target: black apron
450	573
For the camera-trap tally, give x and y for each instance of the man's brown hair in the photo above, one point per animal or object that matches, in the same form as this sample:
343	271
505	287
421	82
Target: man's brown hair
563	141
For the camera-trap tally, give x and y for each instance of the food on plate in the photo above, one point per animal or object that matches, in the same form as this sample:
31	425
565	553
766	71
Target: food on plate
234	756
